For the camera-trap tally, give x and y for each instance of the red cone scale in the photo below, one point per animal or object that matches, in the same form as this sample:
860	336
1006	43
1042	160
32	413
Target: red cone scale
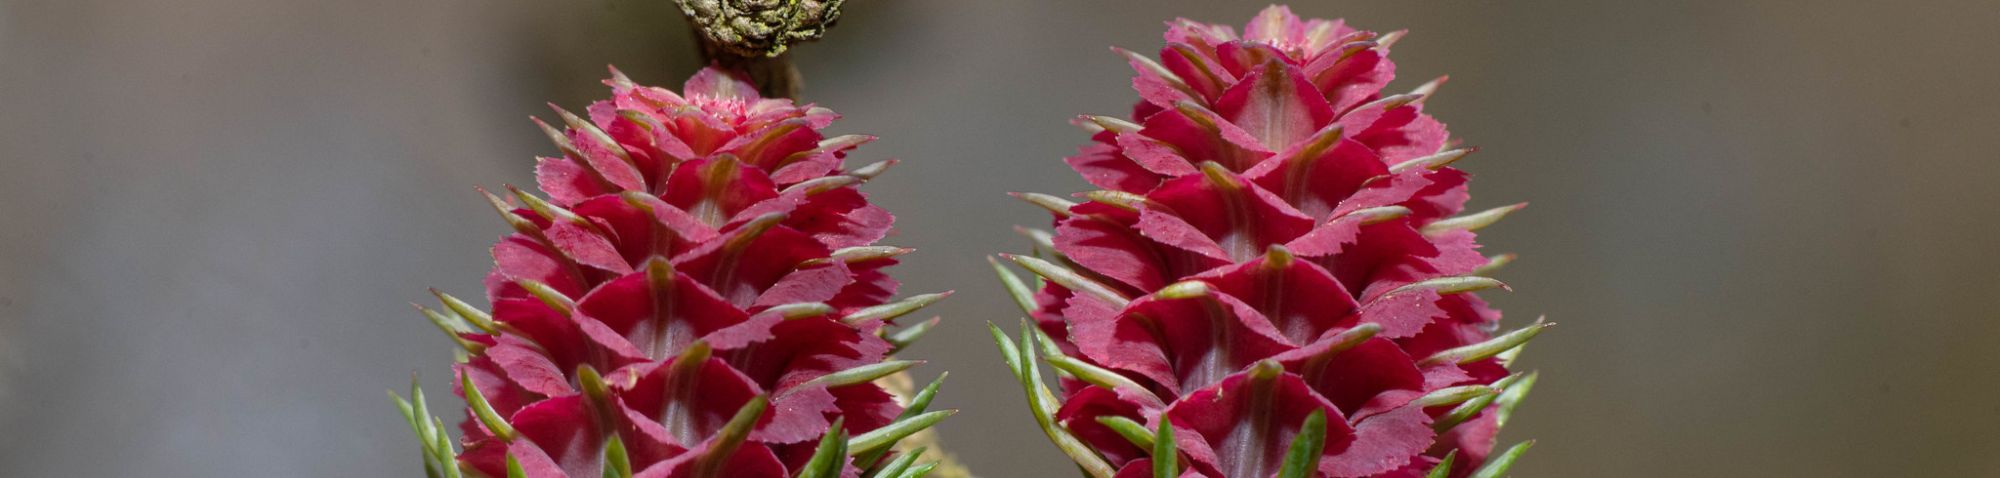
699	294
1276	236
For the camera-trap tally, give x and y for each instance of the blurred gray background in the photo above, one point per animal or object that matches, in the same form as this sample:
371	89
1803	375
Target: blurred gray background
1765	227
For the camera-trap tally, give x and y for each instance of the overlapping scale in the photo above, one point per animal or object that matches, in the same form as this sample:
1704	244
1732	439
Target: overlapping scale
696	296
1275	237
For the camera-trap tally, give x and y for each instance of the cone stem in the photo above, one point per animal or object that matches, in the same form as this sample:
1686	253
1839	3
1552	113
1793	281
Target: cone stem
753	37
774	76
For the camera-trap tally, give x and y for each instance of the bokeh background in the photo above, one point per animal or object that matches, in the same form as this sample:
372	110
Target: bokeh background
1766	228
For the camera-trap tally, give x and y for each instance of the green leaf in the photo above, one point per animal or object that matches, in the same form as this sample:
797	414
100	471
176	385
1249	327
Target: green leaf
895	309
1055	205
1040	399
919	471
1008	352
1100	376
865	373
1049	345
1374	215
1499	465
467	311
593	384
1070	279
1142	61
596	135
1451	285
520	224
568	148
446	457
1495	263
1302	460
1342	342
1118	199
899	465
423	409
433	467
1471	222
1015	289
1265	371
547	211
410	416
797	310
923	398
1277	257
871	170
1431	162
1443	468
731	436
1465	411
858	254
1130	429
548	295
1218	175
438	455
741	237
1095	123
822	184
1454	395
1166	458
689	361
1506	357
1489	348
827	459
484	411
1192	289
616	463
1513	397
917	405
904	337
1042	403
452	328
514	468
894	431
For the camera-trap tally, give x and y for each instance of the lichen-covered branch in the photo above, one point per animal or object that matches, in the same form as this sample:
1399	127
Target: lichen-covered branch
752	36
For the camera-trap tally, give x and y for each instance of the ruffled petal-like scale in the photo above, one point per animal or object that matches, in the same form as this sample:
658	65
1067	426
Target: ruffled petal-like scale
1268	169
676	221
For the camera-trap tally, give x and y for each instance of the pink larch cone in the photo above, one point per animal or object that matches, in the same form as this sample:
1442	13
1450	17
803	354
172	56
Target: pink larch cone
1275	246
699	295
